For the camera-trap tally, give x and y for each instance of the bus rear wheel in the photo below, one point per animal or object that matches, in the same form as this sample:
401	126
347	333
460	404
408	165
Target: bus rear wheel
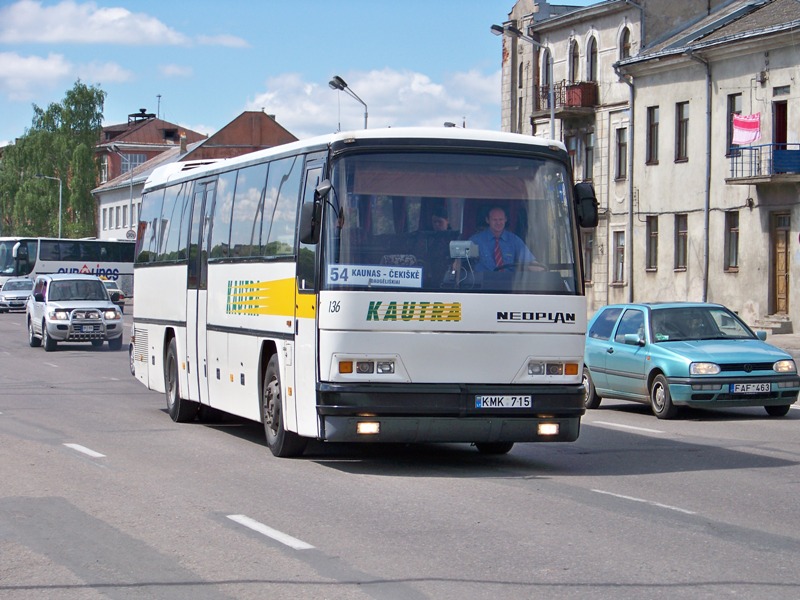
181	411
282	443
494	447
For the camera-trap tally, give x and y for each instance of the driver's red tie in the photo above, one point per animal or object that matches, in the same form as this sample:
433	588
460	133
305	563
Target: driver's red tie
498	254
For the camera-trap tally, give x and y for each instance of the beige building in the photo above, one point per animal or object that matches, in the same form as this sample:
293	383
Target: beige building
644	94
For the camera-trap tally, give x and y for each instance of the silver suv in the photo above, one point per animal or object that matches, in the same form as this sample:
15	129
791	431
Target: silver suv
72	308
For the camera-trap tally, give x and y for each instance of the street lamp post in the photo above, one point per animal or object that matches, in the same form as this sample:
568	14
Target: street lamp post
337	83
513	31
58	179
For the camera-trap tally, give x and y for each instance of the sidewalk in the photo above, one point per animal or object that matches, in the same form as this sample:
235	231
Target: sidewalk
786	341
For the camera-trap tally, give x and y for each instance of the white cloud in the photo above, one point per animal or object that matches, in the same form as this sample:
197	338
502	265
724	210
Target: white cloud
394	99
231	41
21	77
170	71
27	21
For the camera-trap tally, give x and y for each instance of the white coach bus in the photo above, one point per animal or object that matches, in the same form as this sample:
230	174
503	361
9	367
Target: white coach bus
337	289
32	256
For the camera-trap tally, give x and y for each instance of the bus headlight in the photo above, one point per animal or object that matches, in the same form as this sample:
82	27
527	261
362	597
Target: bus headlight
367	367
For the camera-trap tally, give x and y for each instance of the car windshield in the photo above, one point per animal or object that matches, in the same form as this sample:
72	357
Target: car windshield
697	323
16	286
77	290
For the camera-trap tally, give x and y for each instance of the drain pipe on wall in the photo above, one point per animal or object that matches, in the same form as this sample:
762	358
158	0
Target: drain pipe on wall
631	98
707	201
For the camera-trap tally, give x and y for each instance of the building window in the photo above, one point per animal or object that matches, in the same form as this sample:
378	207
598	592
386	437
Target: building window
587	242
520	77
117	219
571	142
622	153
104	221
625	44
574	63
591	67
124	216
681	241
104	168
651	254
682	131
519	115
619	257
652	135
588	157
131	161
732	240
734	108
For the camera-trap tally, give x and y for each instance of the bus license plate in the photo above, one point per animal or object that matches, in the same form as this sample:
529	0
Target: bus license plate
503	402
750	388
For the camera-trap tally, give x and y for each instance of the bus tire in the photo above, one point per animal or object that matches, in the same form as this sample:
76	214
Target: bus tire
33	341
181	410
282	443
494	447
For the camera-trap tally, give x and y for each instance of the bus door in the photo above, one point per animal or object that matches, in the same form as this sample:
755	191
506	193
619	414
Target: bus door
197	289
305	351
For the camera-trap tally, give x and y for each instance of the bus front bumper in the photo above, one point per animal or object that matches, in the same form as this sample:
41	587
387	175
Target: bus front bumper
419	413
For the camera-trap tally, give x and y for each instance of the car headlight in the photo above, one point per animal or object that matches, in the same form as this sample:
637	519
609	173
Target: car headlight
112	315
58	315
784	366
704	368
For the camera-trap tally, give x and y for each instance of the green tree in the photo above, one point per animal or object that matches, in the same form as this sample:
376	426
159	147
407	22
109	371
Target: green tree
59	144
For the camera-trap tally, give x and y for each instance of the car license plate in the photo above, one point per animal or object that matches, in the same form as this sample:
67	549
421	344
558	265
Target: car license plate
750	388
503	402
87	328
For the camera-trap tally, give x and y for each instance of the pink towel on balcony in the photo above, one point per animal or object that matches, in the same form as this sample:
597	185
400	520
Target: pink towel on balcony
746	128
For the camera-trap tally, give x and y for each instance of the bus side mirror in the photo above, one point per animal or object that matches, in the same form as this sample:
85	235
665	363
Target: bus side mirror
311	214
586	205
20	251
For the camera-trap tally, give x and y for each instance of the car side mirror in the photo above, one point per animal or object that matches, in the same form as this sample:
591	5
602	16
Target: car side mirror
633	339
586	206
762	335
115	296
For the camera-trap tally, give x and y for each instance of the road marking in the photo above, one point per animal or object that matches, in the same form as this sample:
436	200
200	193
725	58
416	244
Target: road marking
650	502
620	426
276	535
85	450
51	365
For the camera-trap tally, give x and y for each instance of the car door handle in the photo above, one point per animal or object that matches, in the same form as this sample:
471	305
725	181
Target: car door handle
610	350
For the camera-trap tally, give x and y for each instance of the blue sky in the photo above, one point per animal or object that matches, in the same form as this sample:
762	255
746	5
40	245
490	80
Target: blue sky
413	62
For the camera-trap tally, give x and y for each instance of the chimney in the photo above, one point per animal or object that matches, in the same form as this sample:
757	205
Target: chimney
183	142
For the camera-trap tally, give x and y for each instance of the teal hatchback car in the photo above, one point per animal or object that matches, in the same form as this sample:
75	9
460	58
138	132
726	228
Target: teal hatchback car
678	354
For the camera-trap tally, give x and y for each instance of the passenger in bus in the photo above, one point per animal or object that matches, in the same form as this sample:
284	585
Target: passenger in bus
501	249
440	220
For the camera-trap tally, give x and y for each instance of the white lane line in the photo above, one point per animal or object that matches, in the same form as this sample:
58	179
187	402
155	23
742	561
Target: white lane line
276	535
85	450
650	502
620	426
51	365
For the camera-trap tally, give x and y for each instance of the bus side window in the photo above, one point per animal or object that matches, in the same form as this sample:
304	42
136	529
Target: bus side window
306	258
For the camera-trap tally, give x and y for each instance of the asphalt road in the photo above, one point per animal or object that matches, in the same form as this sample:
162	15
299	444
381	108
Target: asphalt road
103	496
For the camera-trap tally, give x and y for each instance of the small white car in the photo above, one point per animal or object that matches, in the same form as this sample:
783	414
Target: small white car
72	308
14	293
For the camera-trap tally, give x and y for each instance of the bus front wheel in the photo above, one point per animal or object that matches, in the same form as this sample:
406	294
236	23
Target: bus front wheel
181	411
494	447
282	443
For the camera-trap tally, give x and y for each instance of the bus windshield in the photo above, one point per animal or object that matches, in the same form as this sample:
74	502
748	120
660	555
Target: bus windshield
441	221
23	263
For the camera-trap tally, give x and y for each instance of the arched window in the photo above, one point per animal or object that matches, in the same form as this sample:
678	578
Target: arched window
574	64
625	44
591	66
545	79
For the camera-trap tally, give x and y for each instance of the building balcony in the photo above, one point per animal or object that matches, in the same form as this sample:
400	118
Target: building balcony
764	163
573	99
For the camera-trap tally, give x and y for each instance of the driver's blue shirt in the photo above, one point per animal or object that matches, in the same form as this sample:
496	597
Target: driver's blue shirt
512	248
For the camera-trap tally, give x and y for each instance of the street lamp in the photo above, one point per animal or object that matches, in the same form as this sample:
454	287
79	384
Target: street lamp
337	83
115	150
58	179
515	32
